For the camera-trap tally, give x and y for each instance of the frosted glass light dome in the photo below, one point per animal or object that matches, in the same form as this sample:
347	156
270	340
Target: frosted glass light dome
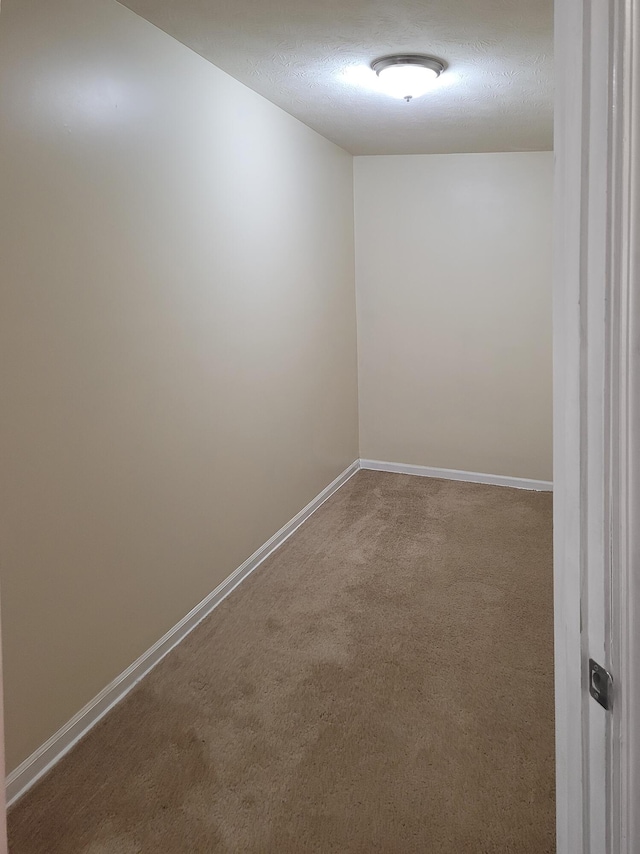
407	76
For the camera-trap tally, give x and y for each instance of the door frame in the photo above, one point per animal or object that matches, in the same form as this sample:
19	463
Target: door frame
597	421
624	459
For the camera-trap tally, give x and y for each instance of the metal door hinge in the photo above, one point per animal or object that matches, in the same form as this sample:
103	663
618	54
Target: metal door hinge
600	685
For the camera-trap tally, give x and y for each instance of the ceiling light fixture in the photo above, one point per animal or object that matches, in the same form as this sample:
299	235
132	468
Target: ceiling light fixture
407	75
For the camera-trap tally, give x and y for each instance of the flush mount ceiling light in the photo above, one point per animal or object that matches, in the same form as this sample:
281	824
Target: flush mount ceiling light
407	75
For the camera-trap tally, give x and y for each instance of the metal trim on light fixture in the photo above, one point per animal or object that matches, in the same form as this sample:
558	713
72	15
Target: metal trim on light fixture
408	59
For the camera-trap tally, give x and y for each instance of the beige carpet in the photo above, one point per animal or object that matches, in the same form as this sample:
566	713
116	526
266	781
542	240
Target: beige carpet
380	684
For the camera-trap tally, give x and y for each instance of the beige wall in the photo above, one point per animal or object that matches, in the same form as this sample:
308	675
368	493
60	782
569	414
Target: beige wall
177	340
454	311
177	334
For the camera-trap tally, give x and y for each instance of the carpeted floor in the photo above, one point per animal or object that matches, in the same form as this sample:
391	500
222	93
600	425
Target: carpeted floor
380	684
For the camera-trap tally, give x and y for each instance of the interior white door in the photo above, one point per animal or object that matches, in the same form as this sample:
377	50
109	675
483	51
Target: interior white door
594	356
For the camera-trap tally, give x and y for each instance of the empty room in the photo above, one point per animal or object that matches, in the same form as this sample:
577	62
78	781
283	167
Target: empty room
276	568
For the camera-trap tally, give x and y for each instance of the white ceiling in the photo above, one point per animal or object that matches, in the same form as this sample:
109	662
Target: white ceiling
311	57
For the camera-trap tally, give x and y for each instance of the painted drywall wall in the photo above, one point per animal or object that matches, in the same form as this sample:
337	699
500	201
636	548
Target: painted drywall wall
453	273
177	340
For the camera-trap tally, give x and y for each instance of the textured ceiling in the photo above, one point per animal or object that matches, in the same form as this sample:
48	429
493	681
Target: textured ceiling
311	57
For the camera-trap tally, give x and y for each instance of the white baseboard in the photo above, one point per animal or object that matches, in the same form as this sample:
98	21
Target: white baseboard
46	756
453	474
